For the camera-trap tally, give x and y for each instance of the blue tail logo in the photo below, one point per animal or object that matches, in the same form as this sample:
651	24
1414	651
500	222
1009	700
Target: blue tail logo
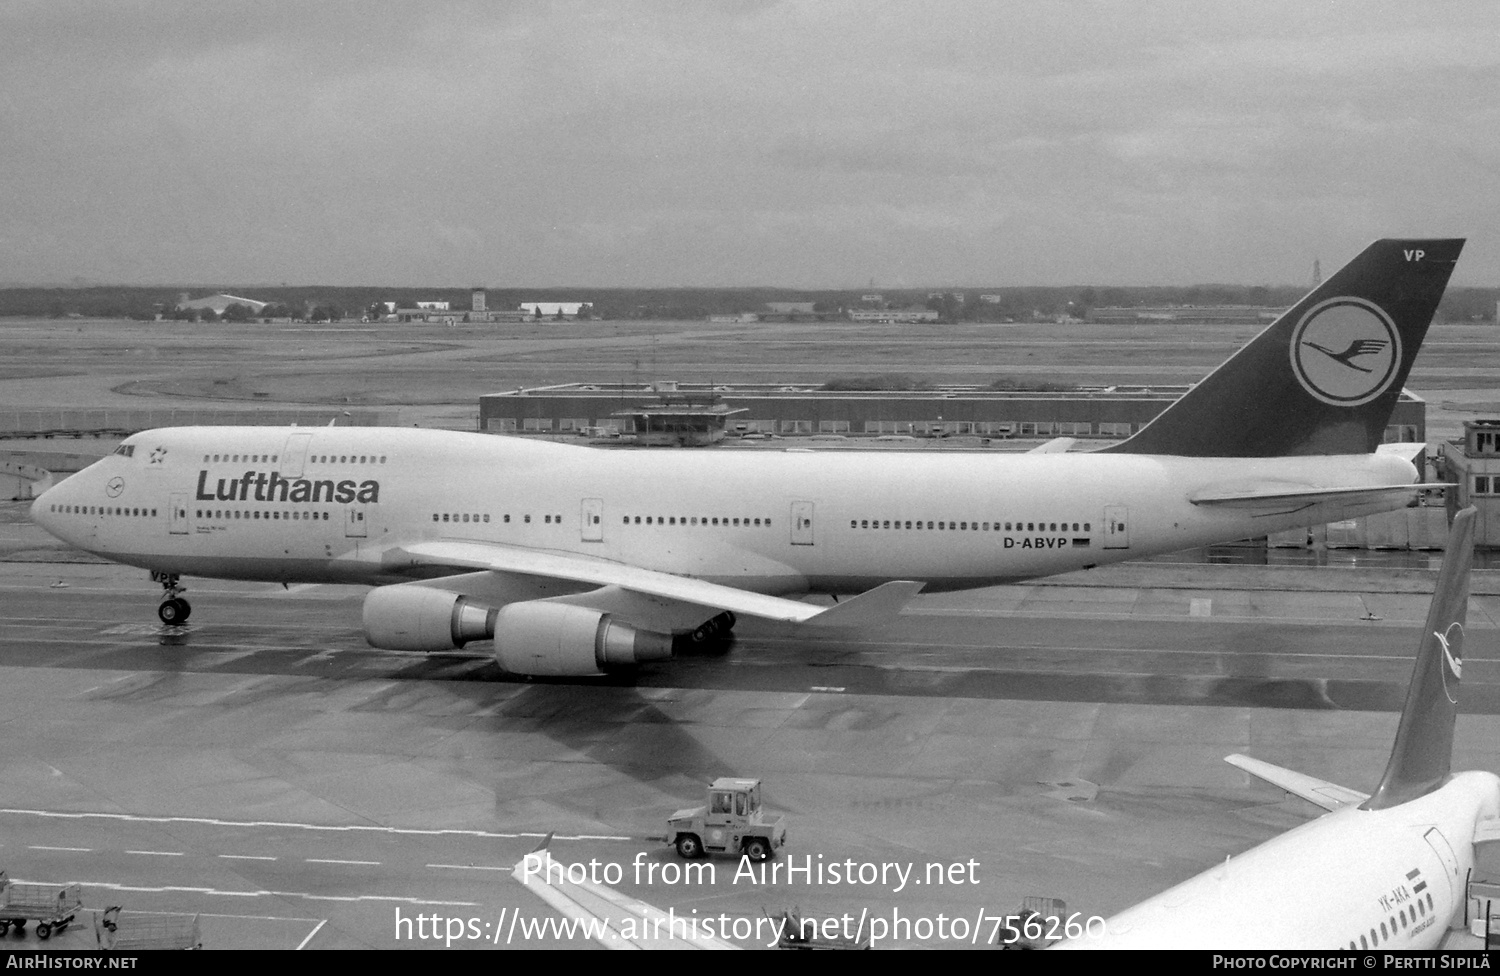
1345	351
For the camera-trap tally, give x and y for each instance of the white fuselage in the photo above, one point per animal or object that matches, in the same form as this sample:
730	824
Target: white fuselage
1352	879
324	504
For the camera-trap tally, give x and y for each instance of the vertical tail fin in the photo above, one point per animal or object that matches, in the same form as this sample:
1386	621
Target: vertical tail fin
1324	377
1423	752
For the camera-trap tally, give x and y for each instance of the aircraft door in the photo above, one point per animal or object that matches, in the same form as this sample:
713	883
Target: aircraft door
1444	851
1116	527
355	526
177	514
802	523
294	455
592	523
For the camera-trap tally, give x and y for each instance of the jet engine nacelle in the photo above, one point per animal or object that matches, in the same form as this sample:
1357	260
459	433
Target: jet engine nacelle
421	618
562	639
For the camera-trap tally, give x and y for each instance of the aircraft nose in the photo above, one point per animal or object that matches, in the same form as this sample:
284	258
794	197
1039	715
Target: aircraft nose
41	509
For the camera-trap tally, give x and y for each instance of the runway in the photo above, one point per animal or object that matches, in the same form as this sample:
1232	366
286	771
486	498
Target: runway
265	768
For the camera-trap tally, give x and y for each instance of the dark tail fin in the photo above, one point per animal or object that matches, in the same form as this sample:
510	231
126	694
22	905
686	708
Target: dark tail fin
1423	752
1324	377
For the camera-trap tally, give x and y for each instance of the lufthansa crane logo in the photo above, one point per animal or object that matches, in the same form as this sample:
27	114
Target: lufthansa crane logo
114	486
1346	351
1453	650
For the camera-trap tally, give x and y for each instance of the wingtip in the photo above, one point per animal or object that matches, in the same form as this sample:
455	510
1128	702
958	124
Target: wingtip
545	841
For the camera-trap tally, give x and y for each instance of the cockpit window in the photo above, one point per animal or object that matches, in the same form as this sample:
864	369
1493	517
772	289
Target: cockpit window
125	450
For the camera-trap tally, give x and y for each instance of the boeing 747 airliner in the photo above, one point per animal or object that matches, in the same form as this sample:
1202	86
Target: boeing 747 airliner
575	559
1383	871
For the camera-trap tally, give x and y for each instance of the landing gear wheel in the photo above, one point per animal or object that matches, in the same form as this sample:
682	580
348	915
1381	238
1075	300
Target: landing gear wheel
689	846
757	849
174	611
44	931
20	927
4	926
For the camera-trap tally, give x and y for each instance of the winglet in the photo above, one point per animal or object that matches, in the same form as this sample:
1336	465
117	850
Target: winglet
545	841
1423	753
1324	377
876	606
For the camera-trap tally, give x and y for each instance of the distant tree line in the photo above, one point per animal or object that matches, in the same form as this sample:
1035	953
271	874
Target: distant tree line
322	303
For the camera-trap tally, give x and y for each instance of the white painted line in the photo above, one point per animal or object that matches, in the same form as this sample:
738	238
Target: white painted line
470	867
158	853
312	933
827	688
334	860
282	824
246	857
405	900
1200	608
39	847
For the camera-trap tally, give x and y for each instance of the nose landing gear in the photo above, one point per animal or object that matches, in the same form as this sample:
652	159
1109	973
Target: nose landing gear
173	609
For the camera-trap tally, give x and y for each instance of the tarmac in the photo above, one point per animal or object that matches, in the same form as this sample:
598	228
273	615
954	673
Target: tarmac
265	769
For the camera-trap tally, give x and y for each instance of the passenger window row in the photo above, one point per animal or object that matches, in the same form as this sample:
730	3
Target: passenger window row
477	517
272	458
969	526
294	515
103	510
741	522
1408	918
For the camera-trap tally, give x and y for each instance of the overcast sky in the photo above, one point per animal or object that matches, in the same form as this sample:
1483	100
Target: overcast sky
804	144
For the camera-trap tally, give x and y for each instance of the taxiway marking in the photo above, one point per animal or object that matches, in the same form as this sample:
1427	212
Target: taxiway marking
261	893
246	857
282	824
41	847
316	929
470	867
158	853
334	860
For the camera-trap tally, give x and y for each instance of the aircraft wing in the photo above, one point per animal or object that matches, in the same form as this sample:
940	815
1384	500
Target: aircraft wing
610	918
1277	495
874	606
1329	796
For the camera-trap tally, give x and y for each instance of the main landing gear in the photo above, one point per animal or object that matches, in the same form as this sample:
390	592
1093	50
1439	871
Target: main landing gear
173	609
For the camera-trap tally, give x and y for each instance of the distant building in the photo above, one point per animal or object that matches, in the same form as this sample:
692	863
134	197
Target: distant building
551	310
433	306
1209	314
913	313
218	303
735	317
873	298
992	299
790	409
477	300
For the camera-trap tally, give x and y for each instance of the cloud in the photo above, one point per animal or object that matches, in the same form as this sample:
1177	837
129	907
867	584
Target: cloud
802	143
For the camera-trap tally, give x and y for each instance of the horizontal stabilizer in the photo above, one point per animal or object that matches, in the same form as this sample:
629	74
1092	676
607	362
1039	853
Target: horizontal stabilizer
1280	494
877	606
1487	830
1057	445
614	920
1329	796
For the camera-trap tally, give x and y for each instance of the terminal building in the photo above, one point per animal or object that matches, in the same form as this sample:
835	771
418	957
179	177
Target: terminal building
1472	462
784	409
1202	314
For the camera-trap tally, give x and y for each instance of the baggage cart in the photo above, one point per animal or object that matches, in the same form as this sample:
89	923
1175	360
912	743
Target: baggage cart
119	931
52	907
